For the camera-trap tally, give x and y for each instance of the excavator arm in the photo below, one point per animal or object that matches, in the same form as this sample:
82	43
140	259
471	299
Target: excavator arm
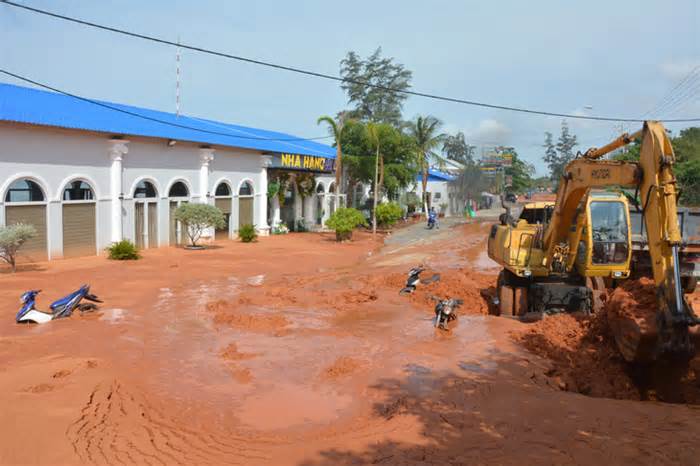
653	177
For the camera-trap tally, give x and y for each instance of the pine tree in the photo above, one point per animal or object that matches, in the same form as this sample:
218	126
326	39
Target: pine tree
566	144
550	154
558	156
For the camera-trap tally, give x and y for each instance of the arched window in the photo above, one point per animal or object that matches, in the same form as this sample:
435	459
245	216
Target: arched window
78	191
331	188
223	189
178	189
246	189
319	189
144	189
24	190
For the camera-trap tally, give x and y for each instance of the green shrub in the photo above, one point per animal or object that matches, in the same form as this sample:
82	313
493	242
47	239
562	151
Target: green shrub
198	217
247	233
12	237
388	214
344	220
124	250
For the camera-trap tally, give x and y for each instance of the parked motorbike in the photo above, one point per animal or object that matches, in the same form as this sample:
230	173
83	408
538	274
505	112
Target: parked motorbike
445	311
432	221
60	308
414	280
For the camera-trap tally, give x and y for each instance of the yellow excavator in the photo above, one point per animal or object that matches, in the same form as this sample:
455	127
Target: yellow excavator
558	258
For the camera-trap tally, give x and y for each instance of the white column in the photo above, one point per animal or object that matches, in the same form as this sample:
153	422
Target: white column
206	155
276	219
326	202
309	217
263	227
117	149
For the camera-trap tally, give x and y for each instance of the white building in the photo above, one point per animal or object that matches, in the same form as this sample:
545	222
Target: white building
88	173
439	190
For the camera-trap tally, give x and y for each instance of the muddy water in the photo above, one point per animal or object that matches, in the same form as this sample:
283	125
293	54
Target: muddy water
297	350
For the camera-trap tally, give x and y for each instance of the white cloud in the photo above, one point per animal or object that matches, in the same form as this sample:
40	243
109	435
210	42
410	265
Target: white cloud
677	70
490	131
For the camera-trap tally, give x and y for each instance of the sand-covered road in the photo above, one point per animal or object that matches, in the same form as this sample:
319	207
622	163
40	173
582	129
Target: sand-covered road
297	350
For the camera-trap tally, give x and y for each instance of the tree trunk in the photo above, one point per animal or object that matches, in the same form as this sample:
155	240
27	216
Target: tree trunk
338	168
376	189
424	181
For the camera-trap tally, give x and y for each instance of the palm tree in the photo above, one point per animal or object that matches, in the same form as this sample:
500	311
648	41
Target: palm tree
424	131
373	132
336	128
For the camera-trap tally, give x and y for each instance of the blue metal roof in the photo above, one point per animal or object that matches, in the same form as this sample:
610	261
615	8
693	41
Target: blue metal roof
436	175
38	107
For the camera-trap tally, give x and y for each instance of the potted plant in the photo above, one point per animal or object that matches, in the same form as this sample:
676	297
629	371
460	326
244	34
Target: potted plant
344	221
443	209
280	229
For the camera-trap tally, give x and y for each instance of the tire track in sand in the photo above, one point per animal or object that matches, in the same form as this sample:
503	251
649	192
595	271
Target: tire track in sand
118	426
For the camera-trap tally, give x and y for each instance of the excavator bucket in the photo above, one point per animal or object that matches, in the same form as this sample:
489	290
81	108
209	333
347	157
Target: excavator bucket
632	311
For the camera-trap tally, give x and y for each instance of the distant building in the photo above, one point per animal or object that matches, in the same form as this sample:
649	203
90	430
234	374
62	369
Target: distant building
439	190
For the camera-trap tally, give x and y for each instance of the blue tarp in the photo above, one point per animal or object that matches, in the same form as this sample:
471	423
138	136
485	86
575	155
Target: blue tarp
38	107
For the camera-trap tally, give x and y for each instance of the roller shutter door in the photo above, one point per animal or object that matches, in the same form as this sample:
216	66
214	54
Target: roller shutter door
79	238
245	211
36	248
225	206
139	224
152	225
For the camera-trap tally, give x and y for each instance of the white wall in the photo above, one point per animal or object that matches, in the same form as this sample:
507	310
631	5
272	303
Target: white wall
52	157
435	187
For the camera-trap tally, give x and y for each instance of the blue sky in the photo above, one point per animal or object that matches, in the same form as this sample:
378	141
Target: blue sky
618	57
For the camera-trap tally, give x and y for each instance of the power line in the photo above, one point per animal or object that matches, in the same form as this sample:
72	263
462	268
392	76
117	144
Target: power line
674	92
157	120
688	94
324	75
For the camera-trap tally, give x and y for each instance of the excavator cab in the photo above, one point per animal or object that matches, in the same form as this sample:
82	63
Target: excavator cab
605	244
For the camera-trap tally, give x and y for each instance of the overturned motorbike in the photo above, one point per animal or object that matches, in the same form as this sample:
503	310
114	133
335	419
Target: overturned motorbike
414	280
445	311
63	307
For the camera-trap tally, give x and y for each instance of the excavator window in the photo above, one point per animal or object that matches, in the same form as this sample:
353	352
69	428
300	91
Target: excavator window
609	232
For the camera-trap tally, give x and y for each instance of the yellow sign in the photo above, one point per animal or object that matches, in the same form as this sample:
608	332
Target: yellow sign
305	162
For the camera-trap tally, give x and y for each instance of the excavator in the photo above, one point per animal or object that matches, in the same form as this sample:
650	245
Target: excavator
559	258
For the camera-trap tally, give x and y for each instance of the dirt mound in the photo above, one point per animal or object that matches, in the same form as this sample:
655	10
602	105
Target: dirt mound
453	283
231	353
342	367
583	355
359	296
586	359
254	320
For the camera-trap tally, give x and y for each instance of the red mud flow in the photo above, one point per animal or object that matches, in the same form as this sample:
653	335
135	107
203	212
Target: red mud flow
299	351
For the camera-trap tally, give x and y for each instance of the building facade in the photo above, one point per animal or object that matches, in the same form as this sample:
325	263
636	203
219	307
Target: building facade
87	175
441	192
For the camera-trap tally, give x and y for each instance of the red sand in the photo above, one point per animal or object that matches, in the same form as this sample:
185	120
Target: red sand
298	350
